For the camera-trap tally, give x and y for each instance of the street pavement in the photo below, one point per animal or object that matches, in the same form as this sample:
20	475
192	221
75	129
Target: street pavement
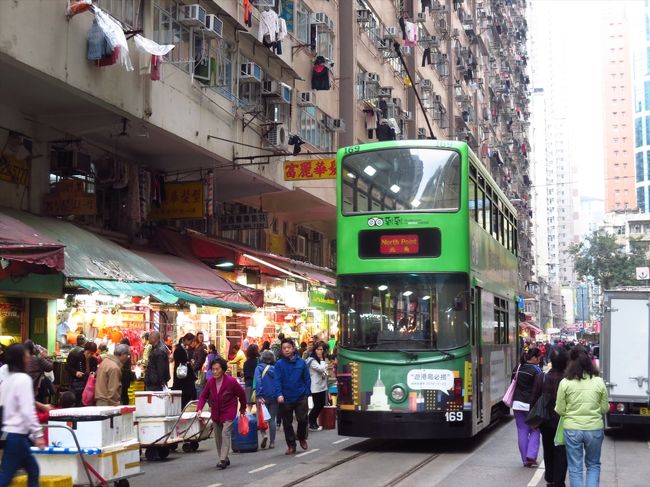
491	460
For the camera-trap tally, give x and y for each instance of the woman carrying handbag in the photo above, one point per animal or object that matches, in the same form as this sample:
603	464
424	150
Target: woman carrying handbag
525	373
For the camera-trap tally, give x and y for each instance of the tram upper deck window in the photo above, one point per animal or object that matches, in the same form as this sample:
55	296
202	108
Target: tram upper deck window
417	179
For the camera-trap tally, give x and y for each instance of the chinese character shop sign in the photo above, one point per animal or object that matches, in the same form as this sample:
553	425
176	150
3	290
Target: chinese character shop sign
310	169
183	201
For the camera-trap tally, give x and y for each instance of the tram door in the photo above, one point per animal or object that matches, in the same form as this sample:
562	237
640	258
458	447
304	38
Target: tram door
477	319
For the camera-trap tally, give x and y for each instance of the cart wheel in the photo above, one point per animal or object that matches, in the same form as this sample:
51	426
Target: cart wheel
173	446
163	452
151	454
187	447
122	483
194	445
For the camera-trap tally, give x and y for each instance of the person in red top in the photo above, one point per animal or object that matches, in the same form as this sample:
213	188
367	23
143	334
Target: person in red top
222	392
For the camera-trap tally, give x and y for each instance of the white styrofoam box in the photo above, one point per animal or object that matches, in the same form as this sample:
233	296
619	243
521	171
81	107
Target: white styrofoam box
99	430
152	403
117	461
127	430
190	428
151	430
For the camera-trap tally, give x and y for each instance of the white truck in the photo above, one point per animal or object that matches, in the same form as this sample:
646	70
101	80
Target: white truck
624	356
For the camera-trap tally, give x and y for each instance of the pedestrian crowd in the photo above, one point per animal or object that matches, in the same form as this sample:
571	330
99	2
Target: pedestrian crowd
563	407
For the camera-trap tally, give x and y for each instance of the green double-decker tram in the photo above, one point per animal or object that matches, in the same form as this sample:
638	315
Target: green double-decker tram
427	276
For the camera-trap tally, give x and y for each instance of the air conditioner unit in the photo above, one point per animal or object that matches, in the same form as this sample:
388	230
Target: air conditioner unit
437	99
213	26
307	99
278	137
384	44
271	88
363	16
372	78
336	124
390	32
285	94
422	133
429	41
320	18
385	92
442	26
422	17
192	15
251	72
468	22
69	162
426	85
299	244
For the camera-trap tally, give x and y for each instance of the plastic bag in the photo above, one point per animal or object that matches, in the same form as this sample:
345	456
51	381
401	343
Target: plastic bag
262	423
181	371
558	440
88	395
242	425
115	36
510	393
77	6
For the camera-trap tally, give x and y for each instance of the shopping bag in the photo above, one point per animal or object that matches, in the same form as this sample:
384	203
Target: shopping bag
265	412
242	425
510	393
262	423
559	433
181	371
88	394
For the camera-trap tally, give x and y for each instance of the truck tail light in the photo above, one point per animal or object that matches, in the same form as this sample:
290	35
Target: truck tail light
620	407
612	407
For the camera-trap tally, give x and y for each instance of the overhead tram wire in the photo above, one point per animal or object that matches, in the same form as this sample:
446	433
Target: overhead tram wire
398	51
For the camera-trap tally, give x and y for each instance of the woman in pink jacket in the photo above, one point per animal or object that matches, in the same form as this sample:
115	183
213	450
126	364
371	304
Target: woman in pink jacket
222	392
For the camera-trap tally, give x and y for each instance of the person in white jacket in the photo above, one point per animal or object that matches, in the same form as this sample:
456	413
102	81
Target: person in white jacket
19	422
318	373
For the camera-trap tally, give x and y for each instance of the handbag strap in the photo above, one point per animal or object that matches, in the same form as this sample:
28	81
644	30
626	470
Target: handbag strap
266	369
517	373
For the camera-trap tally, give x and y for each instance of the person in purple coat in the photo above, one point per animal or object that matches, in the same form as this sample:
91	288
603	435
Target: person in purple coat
222	392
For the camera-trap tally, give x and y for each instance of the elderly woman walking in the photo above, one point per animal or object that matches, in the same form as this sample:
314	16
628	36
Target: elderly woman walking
222	393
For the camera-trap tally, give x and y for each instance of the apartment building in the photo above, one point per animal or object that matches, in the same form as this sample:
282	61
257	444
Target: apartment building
248	107
640	29
618	136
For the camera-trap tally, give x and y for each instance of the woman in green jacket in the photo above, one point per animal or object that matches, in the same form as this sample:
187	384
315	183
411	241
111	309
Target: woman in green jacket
582	401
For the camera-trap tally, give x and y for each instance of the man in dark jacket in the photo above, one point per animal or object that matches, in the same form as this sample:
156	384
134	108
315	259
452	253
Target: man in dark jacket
157	375
81	362
293	383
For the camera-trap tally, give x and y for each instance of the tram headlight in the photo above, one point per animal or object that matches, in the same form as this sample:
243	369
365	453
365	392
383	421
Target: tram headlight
398	394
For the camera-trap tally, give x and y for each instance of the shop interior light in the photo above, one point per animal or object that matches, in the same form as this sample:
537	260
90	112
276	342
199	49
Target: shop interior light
395	188
369	170
225	264
383	287
407	293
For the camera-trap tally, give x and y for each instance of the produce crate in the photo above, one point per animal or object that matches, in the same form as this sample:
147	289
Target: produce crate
44	481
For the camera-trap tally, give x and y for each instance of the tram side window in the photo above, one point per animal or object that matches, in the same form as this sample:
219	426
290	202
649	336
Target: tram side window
495	220
481	207
473	207
500	320
488	214
348	197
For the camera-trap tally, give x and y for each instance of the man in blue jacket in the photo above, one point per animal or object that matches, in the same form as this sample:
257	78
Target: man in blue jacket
293	385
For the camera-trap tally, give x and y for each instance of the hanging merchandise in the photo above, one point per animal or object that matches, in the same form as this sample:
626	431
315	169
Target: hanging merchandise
97	46
77	6
320	76
115	37
156	61
268	30
248	13
151	47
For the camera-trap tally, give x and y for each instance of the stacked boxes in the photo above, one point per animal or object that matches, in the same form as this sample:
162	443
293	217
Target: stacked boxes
107	438
156	413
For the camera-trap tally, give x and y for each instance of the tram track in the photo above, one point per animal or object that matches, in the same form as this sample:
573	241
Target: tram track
382	447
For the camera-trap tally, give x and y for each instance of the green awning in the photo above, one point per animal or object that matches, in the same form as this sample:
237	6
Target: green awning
218	303
161	292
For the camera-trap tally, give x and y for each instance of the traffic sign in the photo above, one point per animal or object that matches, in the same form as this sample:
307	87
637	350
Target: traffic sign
642	273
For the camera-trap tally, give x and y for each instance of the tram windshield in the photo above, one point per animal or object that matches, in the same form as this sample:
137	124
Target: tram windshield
404	311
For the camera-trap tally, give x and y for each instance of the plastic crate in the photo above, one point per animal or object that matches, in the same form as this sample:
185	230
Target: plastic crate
44	481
